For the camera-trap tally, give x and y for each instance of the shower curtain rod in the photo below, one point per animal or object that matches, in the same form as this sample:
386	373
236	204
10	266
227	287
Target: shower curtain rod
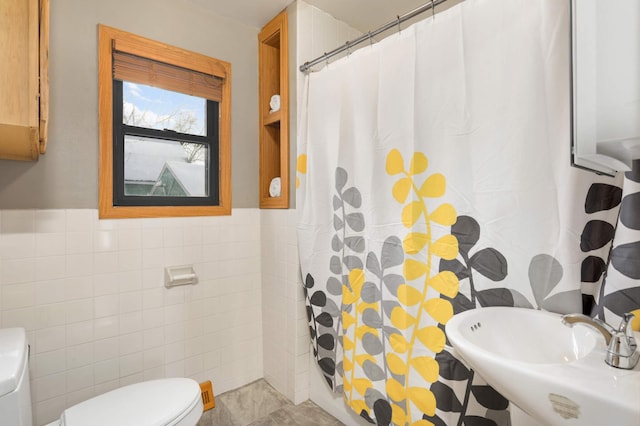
369	36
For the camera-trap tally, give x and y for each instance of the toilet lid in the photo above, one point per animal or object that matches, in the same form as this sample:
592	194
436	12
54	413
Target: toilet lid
161	402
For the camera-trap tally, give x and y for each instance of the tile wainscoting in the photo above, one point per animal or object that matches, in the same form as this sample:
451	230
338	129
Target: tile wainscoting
285	327
91	295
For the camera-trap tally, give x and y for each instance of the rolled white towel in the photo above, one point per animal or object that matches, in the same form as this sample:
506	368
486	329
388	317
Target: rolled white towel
274	187
274	103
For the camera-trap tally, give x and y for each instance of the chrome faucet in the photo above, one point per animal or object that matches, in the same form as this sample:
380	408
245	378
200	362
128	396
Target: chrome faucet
621	345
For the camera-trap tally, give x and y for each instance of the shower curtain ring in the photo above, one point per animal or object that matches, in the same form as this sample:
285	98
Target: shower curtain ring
370	39
348	51
433	9
326	59
399	28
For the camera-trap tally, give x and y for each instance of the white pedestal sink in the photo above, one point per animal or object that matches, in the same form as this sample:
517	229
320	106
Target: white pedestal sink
554	373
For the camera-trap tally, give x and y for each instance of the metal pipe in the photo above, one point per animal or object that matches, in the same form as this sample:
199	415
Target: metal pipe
369	36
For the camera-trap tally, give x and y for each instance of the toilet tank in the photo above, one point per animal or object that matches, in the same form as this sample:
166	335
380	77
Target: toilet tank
15	394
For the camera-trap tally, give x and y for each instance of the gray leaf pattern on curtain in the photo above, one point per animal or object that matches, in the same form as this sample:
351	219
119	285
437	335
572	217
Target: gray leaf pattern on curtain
620	290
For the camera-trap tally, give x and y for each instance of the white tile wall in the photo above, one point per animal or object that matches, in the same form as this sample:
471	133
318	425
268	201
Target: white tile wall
284	322
91	295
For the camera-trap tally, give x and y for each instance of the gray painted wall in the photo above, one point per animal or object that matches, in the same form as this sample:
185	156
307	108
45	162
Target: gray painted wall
67	175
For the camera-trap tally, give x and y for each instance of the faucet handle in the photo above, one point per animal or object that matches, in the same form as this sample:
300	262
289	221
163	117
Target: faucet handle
622	351
625	327
625	324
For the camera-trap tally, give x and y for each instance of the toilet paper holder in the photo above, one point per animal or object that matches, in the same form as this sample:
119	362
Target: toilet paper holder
179	275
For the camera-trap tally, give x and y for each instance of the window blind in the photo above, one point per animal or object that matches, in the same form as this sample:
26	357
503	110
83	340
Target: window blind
136	69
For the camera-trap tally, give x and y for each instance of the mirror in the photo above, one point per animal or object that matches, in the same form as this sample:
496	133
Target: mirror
605	84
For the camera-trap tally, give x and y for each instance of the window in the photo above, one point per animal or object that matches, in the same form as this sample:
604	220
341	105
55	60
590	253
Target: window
164	129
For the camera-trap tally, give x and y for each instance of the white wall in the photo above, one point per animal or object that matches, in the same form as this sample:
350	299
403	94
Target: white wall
91	295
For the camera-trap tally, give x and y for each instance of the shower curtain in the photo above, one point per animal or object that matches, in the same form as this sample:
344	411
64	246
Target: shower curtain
434	177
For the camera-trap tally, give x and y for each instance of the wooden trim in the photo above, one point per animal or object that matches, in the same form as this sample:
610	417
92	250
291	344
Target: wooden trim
284	110
106	209
44	75
225	144
34	63
105	119
273	50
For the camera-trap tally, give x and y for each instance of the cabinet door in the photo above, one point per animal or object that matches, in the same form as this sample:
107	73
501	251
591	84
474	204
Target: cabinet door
20	78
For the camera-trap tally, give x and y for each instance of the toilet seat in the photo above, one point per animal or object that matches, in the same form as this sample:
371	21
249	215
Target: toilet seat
164	402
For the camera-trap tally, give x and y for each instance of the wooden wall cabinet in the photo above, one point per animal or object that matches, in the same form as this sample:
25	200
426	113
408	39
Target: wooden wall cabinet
273	75
24	84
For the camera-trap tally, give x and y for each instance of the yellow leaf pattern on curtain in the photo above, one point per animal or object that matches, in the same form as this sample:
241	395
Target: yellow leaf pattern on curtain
417	333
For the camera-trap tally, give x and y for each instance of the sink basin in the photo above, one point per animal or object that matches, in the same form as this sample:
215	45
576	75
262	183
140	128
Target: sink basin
523	335
555	373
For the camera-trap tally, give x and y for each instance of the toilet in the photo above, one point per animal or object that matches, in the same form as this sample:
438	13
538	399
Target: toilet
163	402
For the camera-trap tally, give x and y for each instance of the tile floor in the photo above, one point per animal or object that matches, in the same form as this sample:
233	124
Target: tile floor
259	404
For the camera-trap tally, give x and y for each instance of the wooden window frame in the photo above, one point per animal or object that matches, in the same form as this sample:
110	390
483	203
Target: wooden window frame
110	39
208	140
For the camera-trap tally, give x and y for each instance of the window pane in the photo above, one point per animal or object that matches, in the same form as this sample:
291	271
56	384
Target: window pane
156	167
153	108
